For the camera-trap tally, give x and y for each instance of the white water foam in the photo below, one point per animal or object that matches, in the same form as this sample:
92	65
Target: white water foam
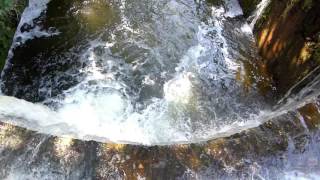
33	11
218	22
101	108
298	175
100	119
105	112
109	117
233	8
258	12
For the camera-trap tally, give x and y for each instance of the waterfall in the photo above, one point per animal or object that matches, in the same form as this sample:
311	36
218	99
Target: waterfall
258	12
146	86
149	82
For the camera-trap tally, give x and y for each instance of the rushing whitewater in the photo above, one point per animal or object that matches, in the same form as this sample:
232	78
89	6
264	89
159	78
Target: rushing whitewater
258	12
176	96
143	72
150	72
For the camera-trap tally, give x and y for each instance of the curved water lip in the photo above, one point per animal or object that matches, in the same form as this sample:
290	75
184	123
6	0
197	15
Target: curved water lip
40	118
165	78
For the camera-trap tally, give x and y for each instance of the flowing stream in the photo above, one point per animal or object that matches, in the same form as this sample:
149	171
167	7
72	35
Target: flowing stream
141	72
150	72
164	75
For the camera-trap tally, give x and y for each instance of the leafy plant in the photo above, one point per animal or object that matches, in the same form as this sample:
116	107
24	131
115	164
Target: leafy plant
10	11
5	4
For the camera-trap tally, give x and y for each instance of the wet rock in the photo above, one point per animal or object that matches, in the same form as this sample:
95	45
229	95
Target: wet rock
287	35
248	6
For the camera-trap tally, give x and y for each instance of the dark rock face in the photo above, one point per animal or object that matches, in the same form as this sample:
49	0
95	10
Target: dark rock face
248	6
288	40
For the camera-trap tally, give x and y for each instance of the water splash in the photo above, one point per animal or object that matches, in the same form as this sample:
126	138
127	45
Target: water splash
258	12
165	78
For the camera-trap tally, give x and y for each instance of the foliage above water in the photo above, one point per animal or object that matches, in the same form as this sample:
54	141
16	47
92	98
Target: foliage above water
9	16
5	4
248	6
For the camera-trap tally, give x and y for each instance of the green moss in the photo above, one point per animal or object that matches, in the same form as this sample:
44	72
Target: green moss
249	6
9	16
263	18
307	5
316	51
316	56
6	34
5	4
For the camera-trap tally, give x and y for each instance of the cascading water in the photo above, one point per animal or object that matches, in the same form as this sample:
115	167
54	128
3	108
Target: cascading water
144	72
164	75
258	12
160	76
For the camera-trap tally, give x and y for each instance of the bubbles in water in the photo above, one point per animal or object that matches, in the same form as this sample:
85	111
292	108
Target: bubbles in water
159	77
179	90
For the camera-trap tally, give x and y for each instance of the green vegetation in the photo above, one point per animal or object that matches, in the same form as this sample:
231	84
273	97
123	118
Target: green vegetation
9	17
263	18
307	4
248	6
316	50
